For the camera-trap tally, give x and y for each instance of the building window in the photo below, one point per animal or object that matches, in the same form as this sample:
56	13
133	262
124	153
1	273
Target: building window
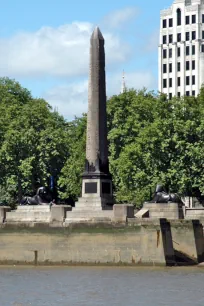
164	68
179	37
193	93
170	67
170	53
170	39
178	66
171	22
178	17
187	93
193	35
164	23
170	96
164	83
164	53
178	81
170	82
164	39
179	94
193	18
202	18
193	49
193	65
193	79
202	48
179	52
202	34
187	36
187	19
187	65
187	80
187	50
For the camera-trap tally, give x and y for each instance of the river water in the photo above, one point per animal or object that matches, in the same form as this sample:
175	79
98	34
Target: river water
65	286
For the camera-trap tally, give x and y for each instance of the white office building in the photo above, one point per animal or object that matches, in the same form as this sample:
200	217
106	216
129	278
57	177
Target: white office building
181	48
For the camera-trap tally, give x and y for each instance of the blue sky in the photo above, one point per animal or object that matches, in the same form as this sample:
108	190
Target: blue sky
45	44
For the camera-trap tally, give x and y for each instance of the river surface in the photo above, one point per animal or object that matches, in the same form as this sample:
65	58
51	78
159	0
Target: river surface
65	286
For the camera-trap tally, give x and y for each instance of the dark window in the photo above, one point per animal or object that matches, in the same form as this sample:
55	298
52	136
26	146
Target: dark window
170	67
164	23
164	83
178	17
193	65
193	49
179	52
164	39
170	53
164	53
170	96
164	68
170	39
179	37
187	19
170	82
193	35
187	93
193	79
187	50
178	94
193	93
193	18
187	36
202	34
178	66
187	65
187	80
202	18
178	81
202	48
171	22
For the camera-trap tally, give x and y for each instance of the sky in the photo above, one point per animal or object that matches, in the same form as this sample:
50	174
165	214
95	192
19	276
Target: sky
44	45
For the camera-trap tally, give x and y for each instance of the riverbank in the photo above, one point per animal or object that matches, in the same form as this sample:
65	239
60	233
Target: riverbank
134	243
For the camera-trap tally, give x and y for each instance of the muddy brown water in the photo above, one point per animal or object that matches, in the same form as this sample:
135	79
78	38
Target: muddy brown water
25	286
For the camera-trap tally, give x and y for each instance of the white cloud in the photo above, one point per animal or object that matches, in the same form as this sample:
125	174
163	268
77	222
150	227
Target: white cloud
72	100
153	41
117	18
58	52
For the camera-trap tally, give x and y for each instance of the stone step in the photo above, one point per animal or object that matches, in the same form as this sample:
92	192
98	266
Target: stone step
16	216
36	208
89	214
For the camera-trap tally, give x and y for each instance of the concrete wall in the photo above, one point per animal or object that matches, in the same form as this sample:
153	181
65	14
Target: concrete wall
135	243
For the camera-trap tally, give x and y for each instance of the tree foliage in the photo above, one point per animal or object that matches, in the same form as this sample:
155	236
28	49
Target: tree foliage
151	140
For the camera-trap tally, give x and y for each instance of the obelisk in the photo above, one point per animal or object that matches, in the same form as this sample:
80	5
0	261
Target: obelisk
97	182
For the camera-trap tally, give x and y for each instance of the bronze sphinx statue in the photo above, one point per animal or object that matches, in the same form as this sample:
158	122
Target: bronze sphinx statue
161	196
43	196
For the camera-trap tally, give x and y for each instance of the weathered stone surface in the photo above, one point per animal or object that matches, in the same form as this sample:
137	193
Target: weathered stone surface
194	213
123	211
58	212
36	213
3	211
163	210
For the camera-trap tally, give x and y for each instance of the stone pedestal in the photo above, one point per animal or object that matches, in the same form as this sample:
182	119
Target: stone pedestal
3	211
122	212
161	210
58	212
28	213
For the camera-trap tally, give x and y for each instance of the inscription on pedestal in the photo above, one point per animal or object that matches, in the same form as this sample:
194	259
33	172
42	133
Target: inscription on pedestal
106	188
90	187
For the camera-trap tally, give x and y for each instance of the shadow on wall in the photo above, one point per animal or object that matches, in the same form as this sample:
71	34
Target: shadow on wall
173	255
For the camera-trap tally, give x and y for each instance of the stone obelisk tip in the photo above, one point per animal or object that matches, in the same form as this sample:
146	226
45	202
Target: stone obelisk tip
97	34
